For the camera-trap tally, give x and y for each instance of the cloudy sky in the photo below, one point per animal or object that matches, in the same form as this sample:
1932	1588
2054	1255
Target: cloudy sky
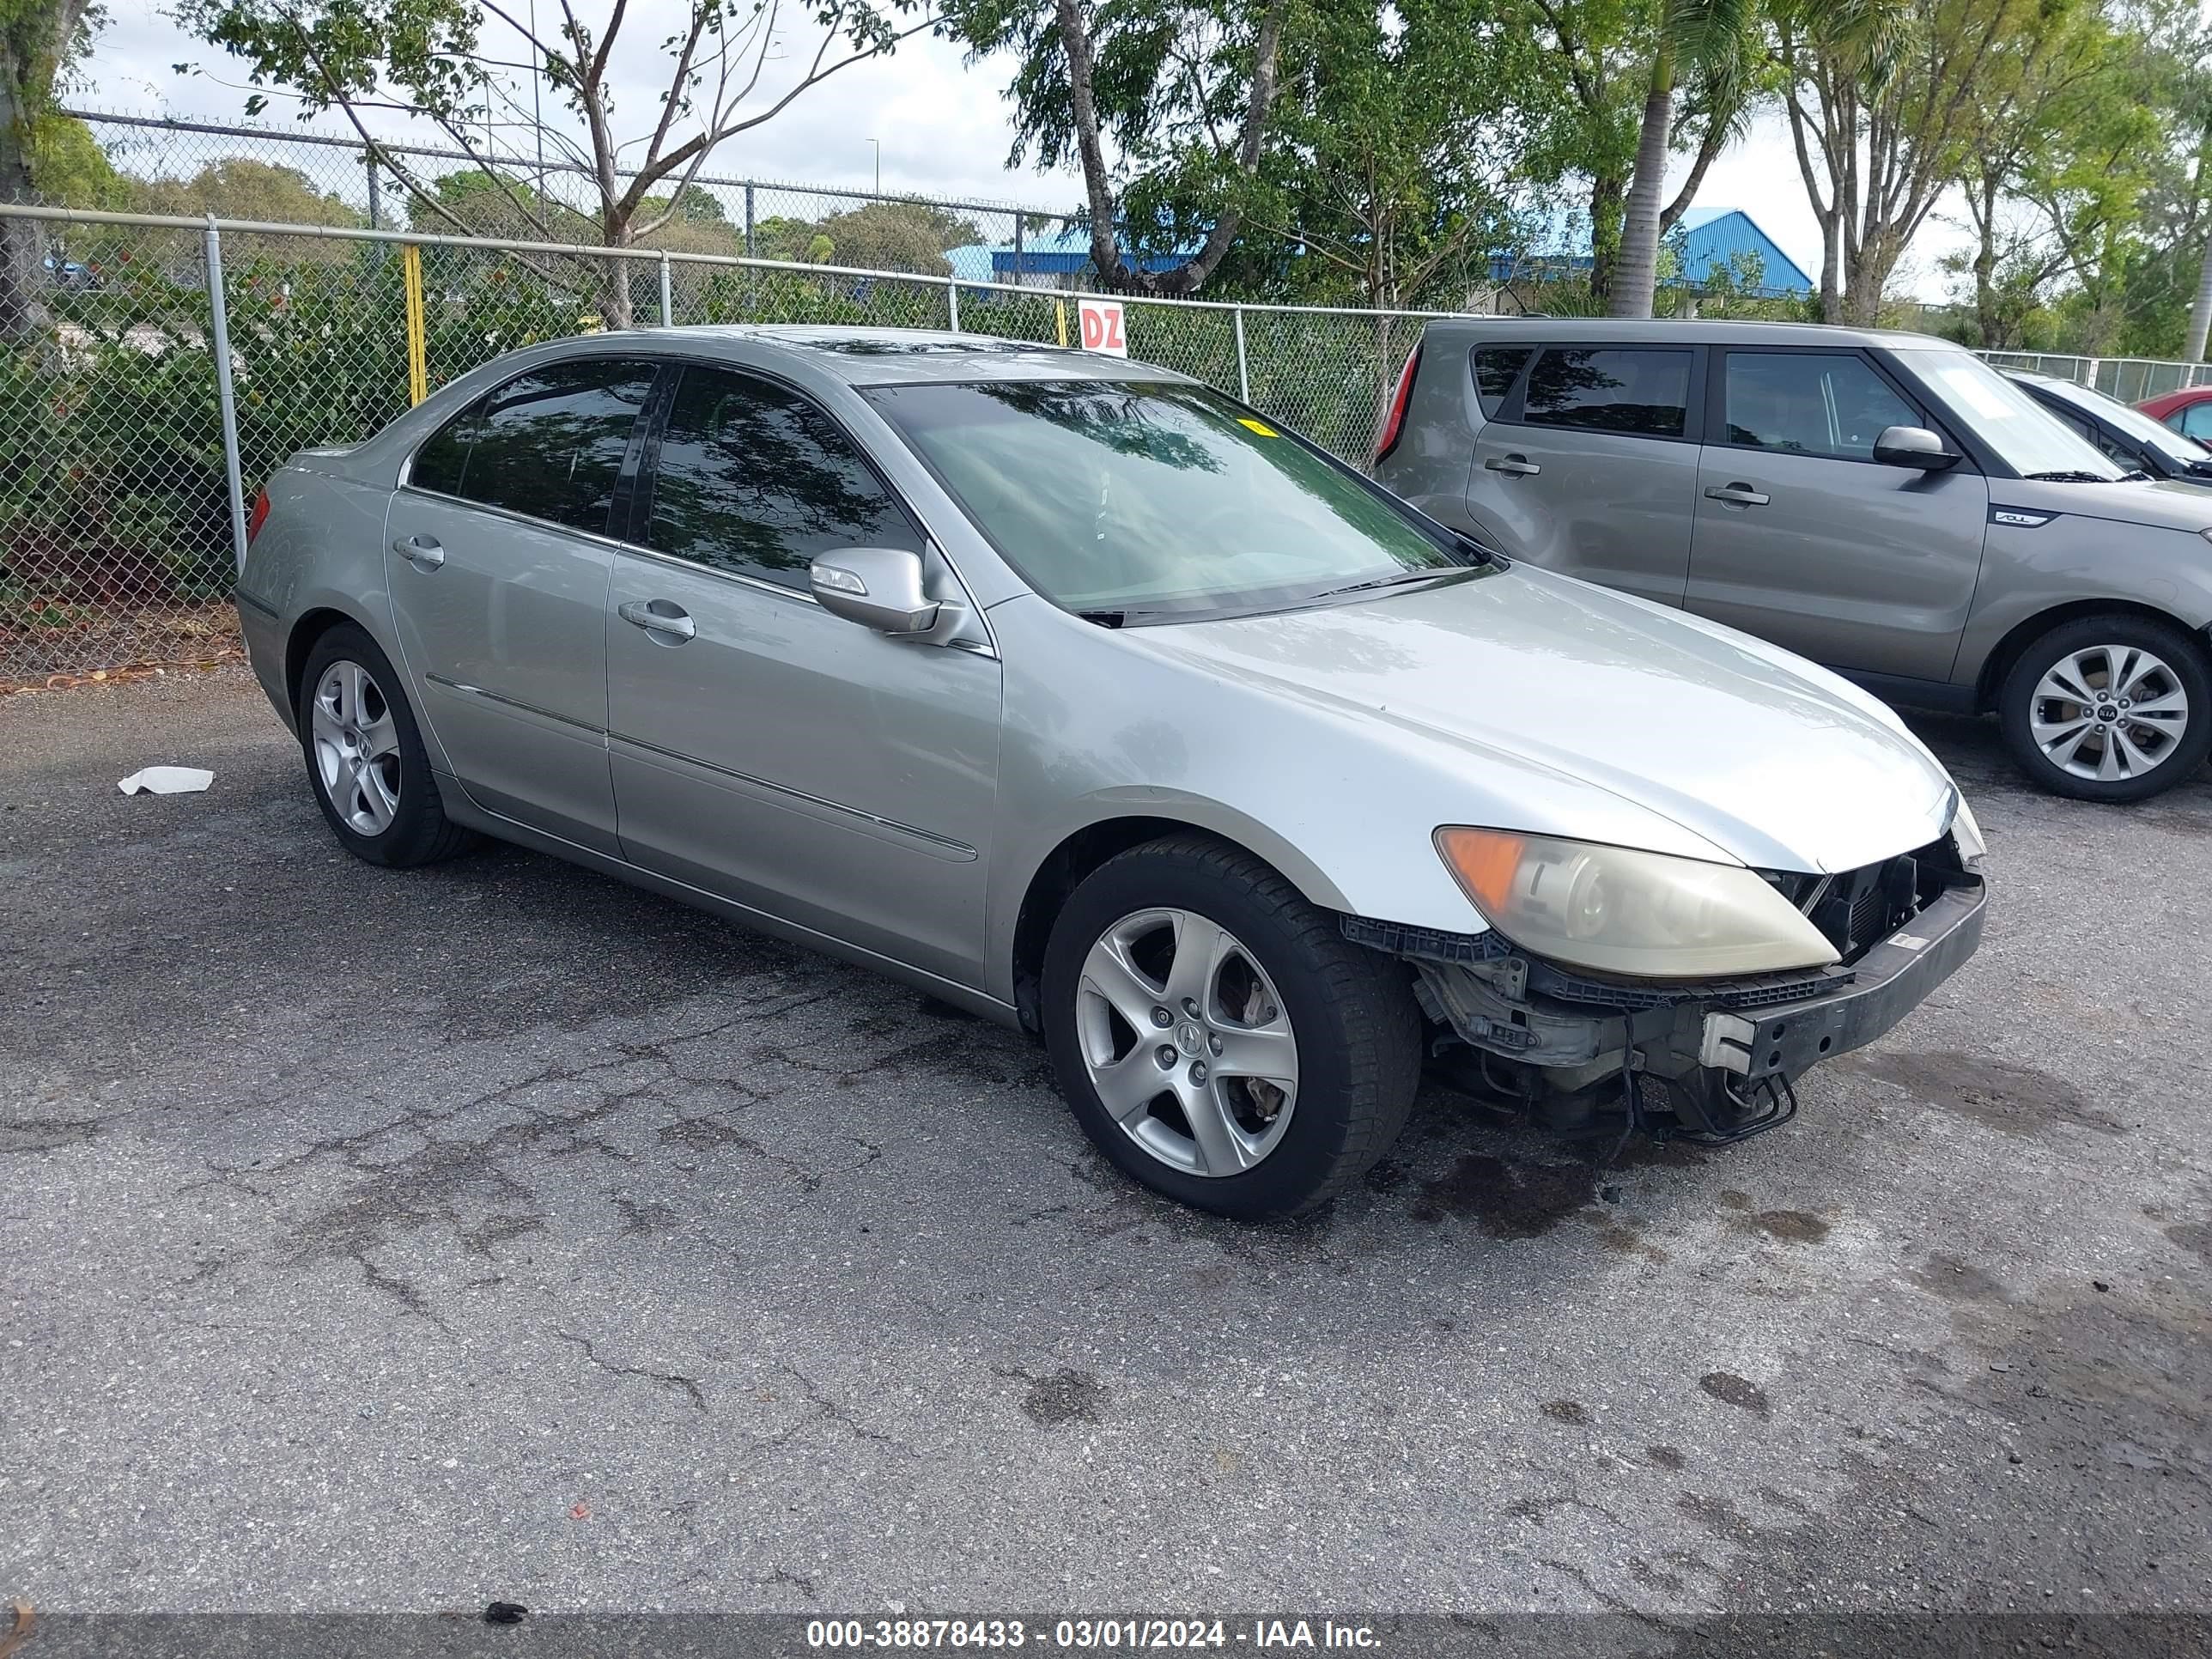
944	127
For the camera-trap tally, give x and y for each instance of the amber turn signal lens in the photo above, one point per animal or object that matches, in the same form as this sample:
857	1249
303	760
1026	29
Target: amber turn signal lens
1484	860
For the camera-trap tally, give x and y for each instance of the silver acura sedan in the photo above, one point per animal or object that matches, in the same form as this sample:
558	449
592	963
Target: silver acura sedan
1090	700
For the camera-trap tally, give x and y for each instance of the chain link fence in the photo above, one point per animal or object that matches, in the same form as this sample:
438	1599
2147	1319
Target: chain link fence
2130	379
114	472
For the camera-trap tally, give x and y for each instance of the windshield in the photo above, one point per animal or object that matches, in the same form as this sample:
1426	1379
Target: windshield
2026	436
2131	421
1134	500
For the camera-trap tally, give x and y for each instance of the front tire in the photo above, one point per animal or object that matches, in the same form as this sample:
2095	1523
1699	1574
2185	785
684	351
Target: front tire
1218	1038
2111	707
365	761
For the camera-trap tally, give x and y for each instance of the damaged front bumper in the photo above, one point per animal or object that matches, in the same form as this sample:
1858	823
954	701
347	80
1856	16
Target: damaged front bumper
1564	1040
1888	983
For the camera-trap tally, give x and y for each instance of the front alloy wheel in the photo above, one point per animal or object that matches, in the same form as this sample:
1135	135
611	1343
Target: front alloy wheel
1219	1037
1187	1041
2109	712
2111	707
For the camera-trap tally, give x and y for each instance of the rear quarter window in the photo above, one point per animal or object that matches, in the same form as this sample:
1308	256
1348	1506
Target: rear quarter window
1497	369
1645	391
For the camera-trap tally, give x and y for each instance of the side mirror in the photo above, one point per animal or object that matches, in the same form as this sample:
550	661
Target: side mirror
1914	447
878	587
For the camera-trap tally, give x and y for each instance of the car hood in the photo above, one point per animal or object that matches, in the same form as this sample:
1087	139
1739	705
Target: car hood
2165	503
1766	757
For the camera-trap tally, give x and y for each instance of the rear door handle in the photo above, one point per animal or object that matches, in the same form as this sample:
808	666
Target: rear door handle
671	620
1737	494
1519	466
424	552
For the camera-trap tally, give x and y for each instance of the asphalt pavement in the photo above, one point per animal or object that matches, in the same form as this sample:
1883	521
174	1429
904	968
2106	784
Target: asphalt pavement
376	1240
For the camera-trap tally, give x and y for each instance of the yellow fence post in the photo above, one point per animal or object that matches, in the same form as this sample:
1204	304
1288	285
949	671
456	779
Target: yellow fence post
418	370
1060	316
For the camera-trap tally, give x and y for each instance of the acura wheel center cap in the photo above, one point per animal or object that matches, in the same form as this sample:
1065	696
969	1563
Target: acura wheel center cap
1190	1036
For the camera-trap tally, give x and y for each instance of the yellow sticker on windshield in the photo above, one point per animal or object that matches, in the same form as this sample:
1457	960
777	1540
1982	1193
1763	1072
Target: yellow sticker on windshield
1259	427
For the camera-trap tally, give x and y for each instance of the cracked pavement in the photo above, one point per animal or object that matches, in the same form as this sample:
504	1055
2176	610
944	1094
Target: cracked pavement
405	1240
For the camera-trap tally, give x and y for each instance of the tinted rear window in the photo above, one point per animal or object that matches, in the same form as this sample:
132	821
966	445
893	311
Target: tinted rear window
1611	389
550	443
1496	370
755	479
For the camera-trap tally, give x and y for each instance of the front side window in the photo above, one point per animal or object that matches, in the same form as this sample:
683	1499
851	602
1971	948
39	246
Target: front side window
757	481
1611	389
1158	501
550	443
1806	403
2197	420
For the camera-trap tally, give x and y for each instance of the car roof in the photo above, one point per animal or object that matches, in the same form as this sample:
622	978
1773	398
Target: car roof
1670	330
891	356
2180	398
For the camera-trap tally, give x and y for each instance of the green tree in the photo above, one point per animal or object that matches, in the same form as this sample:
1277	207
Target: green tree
435	57
37	39
1880	97
1590	91
1400	137
2067	121
1184	90
1710	45
893	236
239	187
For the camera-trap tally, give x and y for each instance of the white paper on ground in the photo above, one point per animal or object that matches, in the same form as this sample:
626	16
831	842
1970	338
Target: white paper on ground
166	781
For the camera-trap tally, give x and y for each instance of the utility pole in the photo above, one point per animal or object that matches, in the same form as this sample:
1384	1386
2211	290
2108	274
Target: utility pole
878	143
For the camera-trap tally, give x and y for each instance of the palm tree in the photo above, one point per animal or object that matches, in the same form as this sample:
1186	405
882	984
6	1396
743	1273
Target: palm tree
1713	43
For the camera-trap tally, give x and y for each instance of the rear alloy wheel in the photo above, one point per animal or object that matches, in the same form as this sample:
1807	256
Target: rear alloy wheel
356	745
2109	708
1219	1037
365	756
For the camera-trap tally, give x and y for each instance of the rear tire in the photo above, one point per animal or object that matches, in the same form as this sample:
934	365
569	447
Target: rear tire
366	762
2112	708
1295	1053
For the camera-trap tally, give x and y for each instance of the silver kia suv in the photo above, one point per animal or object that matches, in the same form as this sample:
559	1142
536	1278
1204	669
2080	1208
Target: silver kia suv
1884	503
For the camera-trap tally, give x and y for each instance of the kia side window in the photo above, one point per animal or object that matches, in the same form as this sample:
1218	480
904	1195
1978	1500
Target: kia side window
1496	370
757	481
1643	391
549	444
1830	405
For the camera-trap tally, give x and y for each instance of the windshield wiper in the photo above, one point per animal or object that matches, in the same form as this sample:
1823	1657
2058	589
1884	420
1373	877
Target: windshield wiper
2074	476
1388	581
2136	477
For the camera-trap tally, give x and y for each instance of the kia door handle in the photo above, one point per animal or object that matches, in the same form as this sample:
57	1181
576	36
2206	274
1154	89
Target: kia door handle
420	551
1737	494
1519	466
671	622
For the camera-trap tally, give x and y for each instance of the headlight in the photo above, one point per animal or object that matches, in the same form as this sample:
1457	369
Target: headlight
1621	911
1968	834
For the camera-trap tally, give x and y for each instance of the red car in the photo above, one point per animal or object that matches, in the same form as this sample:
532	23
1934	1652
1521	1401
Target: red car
2188	412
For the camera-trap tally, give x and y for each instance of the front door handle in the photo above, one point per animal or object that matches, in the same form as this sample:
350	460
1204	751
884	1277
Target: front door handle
1737	494
1519	466
670	620
424	552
